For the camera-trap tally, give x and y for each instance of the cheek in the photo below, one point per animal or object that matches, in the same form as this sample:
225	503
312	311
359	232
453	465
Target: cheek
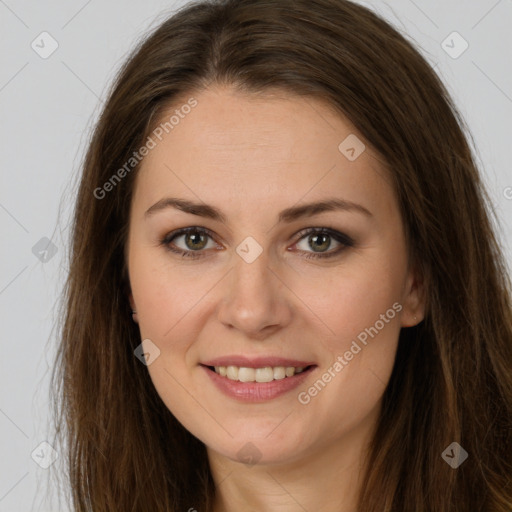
167	300
164	294
357	364
359	307
352	297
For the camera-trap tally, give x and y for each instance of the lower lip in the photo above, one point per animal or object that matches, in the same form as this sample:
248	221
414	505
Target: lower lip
257	391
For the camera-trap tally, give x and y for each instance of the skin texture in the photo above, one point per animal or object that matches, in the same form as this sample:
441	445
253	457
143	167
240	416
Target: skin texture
252	156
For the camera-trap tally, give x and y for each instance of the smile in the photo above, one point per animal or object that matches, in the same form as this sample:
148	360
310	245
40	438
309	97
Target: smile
258	384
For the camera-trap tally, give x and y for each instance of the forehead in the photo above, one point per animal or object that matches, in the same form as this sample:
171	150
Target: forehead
260	149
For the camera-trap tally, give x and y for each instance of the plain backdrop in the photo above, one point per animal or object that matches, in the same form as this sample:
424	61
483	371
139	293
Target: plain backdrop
49	104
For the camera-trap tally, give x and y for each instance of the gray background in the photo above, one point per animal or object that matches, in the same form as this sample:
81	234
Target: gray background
48	107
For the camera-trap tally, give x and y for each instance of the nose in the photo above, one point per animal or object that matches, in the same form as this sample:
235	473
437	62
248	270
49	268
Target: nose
256	300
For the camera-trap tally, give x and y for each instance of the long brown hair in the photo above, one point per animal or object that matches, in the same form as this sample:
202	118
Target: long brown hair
452	380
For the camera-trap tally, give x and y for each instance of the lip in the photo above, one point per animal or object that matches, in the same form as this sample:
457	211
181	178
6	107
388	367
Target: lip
256	362
257	392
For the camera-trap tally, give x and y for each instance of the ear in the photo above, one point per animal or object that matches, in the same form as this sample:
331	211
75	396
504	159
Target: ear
132	305
414	298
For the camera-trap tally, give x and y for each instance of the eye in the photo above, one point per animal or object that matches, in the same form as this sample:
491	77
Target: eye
322	239
194	240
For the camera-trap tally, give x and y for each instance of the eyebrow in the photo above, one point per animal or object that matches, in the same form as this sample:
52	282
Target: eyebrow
287	215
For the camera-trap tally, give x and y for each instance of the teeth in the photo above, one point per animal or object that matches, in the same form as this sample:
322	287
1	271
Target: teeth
279	373
246	374
232	372
266	374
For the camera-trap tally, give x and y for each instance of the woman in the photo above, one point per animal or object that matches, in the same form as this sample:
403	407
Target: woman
285	292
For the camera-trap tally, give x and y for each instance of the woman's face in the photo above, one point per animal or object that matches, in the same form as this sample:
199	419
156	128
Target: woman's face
259	289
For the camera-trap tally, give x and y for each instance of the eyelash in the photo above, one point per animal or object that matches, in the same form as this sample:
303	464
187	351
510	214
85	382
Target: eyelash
343	239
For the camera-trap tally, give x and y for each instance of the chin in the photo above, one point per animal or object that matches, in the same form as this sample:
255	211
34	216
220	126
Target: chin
256	446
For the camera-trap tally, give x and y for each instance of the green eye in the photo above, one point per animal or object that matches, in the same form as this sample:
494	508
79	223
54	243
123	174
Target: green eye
196	239
321	238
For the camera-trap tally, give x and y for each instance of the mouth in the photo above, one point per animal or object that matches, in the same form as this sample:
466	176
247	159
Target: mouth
256	379
259	375
257	385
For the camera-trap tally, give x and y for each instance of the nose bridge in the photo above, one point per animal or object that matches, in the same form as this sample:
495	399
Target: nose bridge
251	271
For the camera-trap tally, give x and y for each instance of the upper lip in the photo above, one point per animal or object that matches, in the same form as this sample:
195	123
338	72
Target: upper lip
255	362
